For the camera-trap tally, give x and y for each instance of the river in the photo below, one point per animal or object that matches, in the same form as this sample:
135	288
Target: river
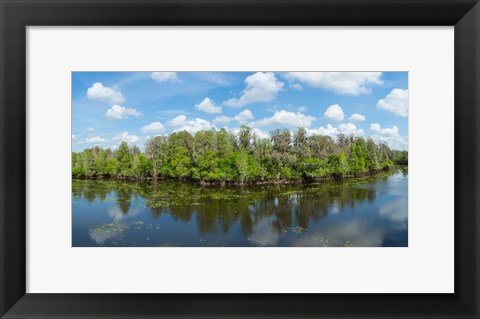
357	212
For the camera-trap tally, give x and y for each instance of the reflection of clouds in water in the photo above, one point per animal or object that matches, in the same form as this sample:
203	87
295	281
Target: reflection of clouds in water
335	208
116	213
293	199
365	212
357	232
396	210
110	231
397	185
263	233
104	233
396	177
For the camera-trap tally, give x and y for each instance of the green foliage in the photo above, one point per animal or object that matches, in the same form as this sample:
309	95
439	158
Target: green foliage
401	158
337	164
78	172
387	164
221	156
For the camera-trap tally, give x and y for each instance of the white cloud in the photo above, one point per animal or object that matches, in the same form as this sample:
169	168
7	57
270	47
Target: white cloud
346	83
192	126
334	113
242	117
154	127
357	117
285	118
177	121
90	129
396	102
118	112
208	106
94	140
259	133
103	93
166	77
342	128
302	109
126	137
385	132
296	86
388	135
260	87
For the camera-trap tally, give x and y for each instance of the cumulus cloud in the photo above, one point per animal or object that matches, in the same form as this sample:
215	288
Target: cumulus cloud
94	140
103	93
385	132
334	113
125	137
345	83
332	131
285	119
154	127
242	117
166	77
395	102
260	87
90	129
208	106
118	112
191	126
389	135
357	117
177	121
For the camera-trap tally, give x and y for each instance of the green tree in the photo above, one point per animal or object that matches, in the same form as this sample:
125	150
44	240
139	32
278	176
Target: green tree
337	164
154	151
222	156
124	160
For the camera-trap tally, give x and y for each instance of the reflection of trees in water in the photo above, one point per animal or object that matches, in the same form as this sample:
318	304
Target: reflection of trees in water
217	209
123	196
90	190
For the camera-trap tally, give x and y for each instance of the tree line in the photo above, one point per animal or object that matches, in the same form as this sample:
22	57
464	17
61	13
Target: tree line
222	156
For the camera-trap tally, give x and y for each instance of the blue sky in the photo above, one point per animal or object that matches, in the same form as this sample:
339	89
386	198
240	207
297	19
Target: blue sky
109	107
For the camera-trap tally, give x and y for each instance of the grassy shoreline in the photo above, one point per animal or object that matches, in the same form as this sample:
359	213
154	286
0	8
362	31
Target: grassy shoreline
280	181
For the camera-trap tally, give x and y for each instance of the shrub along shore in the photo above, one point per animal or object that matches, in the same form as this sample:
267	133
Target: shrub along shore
223	157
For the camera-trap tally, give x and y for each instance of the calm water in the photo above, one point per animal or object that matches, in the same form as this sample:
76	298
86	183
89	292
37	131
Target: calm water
363	212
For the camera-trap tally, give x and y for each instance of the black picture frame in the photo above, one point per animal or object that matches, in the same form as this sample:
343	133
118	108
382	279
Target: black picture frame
16	15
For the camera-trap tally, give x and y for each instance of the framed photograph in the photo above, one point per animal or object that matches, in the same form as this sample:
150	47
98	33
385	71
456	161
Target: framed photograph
239	159
181	169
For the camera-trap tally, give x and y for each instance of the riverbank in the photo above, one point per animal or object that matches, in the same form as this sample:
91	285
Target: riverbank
279	181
